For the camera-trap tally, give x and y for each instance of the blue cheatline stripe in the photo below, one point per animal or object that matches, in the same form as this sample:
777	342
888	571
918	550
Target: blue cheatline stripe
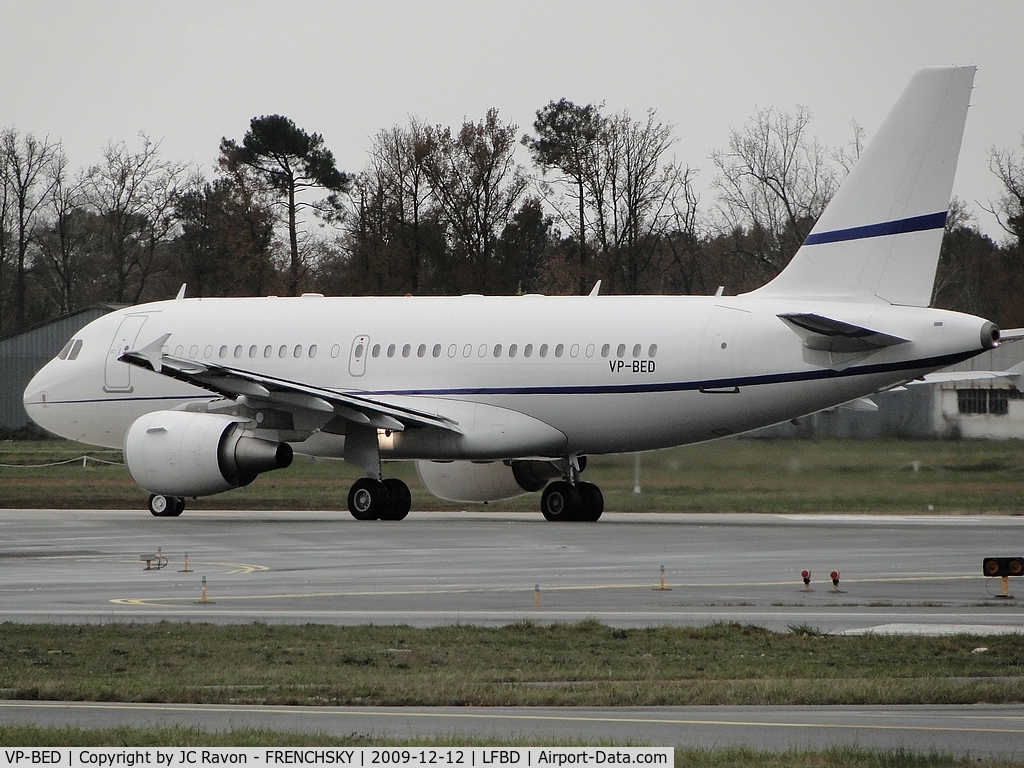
817	374
895	227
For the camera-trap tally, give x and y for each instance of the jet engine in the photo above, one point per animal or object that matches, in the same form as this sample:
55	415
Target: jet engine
175	453
485	480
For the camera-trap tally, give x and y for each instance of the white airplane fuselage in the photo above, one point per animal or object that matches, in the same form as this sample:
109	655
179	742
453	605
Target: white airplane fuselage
605	374
496	396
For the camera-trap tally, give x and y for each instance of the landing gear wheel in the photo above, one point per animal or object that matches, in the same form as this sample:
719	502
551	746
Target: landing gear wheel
166	506
560	501
593	502
398	499
366	499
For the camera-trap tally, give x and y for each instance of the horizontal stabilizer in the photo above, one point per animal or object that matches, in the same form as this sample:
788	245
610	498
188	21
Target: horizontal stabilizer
829	335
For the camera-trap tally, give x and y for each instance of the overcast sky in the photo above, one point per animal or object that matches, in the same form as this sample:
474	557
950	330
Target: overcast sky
190	72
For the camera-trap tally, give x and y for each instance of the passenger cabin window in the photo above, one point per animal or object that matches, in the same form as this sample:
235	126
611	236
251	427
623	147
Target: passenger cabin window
312	350
636	350
252	351
268	351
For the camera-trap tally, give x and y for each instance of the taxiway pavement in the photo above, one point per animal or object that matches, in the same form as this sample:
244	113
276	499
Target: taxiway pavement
897	574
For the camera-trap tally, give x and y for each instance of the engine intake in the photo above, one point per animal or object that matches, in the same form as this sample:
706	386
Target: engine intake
175	453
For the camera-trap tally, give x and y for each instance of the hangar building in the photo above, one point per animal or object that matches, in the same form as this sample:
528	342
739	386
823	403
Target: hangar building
25	352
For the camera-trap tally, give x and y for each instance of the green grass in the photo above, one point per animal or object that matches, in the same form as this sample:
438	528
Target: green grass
771	476
585	664
727	757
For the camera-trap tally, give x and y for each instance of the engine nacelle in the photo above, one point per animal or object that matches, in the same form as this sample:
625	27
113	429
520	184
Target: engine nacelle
485	480
176	453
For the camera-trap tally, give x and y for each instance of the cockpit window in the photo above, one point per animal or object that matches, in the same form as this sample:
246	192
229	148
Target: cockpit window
71	350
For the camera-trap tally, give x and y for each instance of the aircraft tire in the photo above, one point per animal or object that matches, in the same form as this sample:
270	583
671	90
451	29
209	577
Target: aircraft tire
366	499
593	502
166	506
398	500
560	501
161	506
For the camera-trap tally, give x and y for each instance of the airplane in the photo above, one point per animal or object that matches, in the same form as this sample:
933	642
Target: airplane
497	396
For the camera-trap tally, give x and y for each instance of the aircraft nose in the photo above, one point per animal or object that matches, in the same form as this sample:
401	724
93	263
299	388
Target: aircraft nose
38	396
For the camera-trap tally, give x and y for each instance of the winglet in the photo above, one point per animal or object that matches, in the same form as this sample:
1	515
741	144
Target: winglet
153	352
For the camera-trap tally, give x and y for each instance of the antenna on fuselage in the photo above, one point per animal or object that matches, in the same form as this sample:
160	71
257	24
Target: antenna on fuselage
596	289
181	292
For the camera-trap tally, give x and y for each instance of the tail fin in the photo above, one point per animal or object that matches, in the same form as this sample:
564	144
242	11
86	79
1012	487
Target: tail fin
879	237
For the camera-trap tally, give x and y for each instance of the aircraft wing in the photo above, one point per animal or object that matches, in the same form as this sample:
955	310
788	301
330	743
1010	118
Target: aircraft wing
247	386
830	335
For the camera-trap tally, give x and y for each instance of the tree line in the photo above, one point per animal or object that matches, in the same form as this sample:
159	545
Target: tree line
449	210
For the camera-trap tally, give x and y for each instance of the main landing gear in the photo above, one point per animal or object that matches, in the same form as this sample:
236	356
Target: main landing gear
166	506
562	500
570	498
371	499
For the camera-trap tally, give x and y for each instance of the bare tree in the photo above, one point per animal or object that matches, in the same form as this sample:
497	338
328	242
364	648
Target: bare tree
637	193
773	180
476	186
24	163
63	243
133	197
1009	209
394	236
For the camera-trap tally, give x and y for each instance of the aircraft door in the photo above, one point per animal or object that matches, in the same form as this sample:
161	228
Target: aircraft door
117	375
716	349
357	356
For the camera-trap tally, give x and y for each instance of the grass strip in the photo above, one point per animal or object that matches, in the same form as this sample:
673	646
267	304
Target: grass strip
727	757
584	664
771	476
